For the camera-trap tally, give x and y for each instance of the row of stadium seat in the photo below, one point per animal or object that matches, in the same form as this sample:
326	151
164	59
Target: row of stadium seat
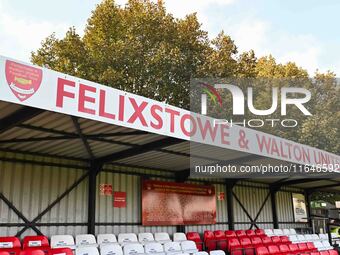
280	232
308	238
170	248
289	250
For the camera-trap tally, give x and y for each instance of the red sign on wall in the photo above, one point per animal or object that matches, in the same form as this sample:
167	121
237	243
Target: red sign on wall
105	189
221	196
119	199
168	203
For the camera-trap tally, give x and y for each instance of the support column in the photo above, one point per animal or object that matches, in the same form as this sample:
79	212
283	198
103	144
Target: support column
230	203
94	170
308	207
182	176
273	191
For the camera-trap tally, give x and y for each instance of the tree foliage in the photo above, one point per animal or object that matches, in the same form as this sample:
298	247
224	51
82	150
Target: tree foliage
142	49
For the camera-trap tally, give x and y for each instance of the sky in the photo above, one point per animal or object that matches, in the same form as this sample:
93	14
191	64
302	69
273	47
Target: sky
304	31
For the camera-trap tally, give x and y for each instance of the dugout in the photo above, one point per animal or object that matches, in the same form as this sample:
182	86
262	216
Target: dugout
62	137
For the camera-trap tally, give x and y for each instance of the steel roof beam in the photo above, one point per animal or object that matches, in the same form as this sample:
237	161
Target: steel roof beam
82	137
139	149
18	117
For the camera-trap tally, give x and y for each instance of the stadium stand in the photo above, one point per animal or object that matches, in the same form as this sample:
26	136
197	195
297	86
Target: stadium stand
218	242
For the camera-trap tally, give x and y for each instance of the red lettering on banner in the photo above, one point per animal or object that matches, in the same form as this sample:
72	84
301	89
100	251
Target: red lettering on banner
138	114
156	116
225	134
207	127
102	100
83	98
61	92
193	125
121	107
172	113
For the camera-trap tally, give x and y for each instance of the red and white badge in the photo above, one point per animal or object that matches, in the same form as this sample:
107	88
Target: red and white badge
23	80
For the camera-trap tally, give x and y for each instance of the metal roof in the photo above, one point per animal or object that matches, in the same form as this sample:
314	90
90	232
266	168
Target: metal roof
57	135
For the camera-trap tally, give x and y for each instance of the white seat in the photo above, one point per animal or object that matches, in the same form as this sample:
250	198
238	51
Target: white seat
162	237
111	249
145	237
315	237
179	237
308	237
87	250
301	238
293	238
269	232
318	245
189	247
286	232
172	248
154	248
106	239
323	236
127	238
217	252
292	231
86	240
327	245
278	232
201	253
133	249
62	241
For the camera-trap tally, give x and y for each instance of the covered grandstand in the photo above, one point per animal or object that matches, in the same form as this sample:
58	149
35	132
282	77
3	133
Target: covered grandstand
62	139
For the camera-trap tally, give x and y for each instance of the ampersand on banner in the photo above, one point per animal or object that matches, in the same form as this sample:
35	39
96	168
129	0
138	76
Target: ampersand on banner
242	141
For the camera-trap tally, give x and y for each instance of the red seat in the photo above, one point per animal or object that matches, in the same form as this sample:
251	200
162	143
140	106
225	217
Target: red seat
32	252
209	240
194	236
221	240
256	241
285	240
294	248
230	233
276	240
250	232
4	253
262	251
240	233
284	249
247	246
333	252
315	253
60	251
36	242
10	244
266	240
303	247
311	246
260	232
324	253
274	249
234	246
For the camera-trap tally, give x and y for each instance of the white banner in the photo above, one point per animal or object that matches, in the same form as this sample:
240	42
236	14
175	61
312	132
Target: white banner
38	87
299	205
